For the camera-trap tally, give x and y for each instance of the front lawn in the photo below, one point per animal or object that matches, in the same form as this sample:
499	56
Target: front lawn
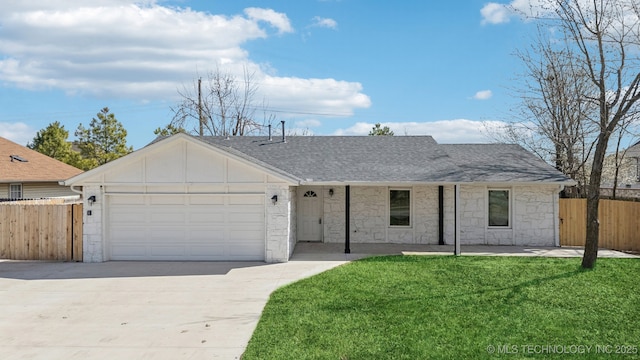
419	307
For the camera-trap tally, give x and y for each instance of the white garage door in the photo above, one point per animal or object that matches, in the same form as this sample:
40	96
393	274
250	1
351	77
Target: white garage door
186	227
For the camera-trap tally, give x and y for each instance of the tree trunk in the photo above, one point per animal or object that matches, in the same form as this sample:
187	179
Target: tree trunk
593	201
593	228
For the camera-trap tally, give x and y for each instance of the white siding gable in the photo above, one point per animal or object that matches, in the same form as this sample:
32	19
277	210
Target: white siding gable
181	162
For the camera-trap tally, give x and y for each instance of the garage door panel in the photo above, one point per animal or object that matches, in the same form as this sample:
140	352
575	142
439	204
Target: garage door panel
207	235
128	234
168	218
205	201
246	235
166	200
244	251
129	216
168	251
189	227
208	217
246	200
207	251
129	250
127	200
166	235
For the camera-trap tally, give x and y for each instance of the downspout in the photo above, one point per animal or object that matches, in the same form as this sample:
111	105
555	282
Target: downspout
72	233
75	190
441	215
347	200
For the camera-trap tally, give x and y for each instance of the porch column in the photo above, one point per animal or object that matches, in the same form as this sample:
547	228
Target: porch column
440	215
347	195
456	222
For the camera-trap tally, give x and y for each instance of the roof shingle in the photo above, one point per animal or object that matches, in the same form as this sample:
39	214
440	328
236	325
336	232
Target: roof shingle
390	159
37	168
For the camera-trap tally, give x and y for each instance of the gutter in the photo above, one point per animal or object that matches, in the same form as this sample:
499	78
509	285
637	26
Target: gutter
72	187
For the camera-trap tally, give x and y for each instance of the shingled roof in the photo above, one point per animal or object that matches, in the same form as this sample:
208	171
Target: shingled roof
390	159
21	164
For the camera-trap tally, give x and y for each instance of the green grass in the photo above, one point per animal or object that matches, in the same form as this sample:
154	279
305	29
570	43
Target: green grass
417	307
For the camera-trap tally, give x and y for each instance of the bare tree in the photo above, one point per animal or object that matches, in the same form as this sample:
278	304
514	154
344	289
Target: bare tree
603	34
594	58
224	106
552	116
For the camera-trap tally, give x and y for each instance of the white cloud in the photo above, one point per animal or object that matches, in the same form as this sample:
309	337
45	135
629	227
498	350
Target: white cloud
494	13
278	20
324	22
443	131
497	13
483	95
146	51
308	123
327	97
18	132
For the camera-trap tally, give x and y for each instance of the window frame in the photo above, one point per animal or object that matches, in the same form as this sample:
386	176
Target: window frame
11	191
410	208
509	209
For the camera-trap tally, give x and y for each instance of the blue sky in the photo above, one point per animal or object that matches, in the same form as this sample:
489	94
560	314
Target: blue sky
325	66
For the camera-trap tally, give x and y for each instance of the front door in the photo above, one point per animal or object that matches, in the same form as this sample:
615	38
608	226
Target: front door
310	211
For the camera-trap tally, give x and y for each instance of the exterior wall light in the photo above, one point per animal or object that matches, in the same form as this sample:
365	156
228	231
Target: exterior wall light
274	199
91	199
330	192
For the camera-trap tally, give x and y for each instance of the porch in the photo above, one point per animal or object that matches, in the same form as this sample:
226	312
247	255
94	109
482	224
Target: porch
311	251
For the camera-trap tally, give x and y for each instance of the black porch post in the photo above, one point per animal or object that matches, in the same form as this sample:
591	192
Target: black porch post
441	215
456	236
347	196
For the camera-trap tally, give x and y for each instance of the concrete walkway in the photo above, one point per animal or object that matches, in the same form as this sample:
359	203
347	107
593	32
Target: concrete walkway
334	252
167	310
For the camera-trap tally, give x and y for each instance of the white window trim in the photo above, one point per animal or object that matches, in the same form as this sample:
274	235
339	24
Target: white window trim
388	195
21	191
510	215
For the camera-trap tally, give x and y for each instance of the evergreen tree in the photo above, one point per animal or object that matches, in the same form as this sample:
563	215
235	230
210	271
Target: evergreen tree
104	140
378	130
169	130
53	142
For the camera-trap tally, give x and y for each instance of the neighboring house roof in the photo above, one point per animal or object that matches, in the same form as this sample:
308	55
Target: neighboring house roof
633	151
36	168
391	159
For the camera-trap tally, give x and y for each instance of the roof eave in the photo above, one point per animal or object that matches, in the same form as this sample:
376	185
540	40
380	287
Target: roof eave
436	183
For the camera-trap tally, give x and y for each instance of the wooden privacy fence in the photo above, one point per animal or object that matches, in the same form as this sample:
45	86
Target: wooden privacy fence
41	232
619	224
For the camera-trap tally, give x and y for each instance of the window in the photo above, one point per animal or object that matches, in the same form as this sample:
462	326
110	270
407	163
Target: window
399	208
310	194
499	209
15	191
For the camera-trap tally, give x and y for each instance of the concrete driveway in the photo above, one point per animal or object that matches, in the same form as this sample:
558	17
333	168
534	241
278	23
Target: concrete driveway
137	310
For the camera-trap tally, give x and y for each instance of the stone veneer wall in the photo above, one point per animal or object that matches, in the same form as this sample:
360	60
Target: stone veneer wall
334	208
534	216
472	210
278	223
369	216
293	218
92	244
